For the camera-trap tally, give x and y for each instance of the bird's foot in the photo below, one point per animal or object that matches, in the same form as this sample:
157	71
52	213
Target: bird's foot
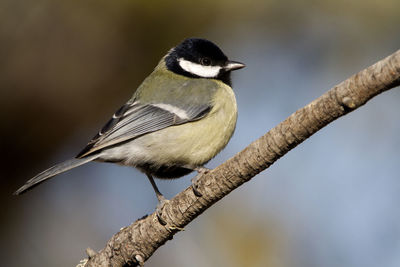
158	215
160	206
201	171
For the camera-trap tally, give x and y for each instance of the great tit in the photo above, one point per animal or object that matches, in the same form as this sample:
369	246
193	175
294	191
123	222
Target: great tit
180	117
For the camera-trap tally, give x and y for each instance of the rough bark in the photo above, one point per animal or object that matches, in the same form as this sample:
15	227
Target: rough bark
134	244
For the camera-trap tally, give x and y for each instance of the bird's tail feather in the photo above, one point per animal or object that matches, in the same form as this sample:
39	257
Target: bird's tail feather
53	171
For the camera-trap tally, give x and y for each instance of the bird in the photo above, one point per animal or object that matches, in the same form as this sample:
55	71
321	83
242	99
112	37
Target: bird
180	117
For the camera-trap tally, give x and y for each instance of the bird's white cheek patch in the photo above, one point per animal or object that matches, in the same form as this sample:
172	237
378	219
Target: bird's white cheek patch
198	69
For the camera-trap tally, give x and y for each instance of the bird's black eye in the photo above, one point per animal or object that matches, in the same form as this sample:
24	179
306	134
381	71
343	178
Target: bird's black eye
205	61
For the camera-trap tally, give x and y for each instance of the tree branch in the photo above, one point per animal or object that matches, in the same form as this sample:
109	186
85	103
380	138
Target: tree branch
134	244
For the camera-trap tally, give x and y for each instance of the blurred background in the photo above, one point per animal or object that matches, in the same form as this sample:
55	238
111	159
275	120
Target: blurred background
66	66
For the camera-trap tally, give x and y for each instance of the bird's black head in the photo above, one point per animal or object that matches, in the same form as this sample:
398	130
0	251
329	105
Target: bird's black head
200	58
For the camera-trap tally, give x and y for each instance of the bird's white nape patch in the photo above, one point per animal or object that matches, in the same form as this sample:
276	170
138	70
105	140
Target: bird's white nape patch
198	69
175	110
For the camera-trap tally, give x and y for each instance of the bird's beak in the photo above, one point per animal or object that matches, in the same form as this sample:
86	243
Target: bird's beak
233	65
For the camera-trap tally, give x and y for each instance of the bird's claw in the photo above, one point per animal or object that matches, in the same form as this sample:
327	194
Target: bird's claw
160	206
195	187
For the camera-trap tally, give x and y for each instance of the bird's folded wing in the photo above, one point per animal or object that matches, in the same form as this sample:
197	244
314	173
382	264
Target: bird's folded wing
135	119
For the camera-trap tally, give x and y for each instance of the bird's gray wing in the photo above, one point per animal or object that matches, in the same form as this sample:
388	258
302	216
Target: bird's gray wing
135	119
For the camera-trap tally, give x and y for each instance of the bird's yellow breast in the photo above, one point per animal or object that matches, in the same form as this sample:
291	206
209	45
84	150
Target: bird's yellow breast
197	142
